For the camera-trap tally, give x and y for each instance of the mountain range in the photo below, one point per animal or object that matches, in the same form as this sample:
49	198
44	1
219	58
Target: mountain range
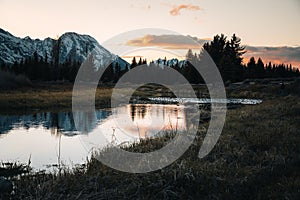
70	46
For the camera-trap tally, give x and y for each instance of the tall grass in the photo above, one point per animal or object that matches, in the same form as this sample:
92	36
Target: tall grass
256	157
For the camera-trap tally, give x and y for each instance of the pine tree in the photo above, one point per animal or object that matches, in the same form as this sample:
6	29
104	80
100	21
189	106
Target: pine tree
216	47
133	64
227	55
260	71
251	66
140	61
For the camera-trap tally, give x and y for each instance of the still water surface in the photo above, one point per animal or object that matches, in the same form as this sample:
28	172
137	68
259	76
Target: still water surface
50	137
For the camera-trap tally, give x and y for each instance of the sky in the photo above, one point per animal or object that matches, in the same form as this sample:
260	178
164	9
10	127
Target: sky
271	23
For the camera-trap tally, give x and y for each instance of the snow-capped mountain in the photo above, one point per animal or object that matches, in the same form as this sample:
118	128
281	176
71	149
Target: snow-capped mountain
169	63
68	47
14	49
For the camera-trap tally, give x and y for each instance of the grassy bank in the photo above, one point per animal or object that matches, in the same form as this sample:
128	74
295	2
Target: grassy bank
256	157
45	97
58	96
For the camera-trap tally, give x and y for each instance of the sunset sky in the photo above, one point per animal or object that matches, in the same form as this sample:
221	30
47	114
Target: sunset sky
271	23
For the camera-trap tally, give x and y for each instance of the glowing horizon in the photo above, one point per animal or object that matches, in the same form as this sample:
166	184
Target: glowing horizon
271	23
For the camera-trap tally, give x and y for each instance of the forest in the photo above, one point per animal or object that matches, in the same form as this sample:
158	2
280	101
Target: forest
226	53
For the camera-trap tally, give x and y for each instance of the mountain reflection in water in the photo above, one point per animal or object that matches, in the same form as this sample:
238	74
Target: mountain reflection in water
31	136
131	117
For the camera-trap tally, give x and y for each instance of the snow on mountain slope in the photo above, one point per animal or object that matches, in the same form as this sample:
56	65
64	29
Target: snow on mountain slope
14	49
69	47
171	62
76	47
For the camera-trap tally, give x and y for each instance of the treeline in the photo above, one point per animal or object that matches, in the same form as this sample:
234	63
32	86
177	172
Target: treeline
37	68
257	69
227	54
111	74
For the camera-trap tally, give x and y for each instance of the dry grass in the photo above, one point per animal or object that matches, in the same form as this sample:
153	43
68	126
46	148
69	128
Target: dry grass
256	157
47	96
56	96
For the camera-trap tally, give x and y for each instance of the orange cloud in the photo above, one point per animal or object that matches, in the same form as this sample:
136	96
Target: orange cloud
176	9
168	42
276	55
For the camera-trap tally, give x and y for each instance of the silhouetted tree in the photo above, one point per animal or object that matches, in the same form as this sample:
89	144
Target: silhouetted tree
260	71
133	64
140	61
227	55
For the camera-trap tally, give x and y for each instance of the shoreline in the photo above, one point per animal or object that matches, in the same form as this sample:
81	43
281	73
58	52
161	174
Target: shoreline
253	158
43	97
58	96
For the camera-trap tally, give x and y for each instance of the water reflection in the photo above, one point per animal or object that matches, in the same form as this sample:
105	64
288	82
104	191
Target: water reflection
146	120
129	117
62	122
31	135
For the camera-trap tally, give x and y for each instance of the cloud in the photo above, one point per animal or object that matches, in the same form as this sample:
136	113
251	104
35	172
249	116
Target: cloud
168	41
176	9
278	55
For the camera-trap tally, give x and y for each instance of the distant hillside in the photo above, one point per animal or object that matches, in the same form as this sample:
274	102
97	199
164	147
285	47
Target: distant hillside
68	47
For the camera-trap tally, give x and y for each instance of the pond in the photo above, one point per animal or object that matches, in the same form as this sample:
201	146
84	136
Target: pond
50	138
